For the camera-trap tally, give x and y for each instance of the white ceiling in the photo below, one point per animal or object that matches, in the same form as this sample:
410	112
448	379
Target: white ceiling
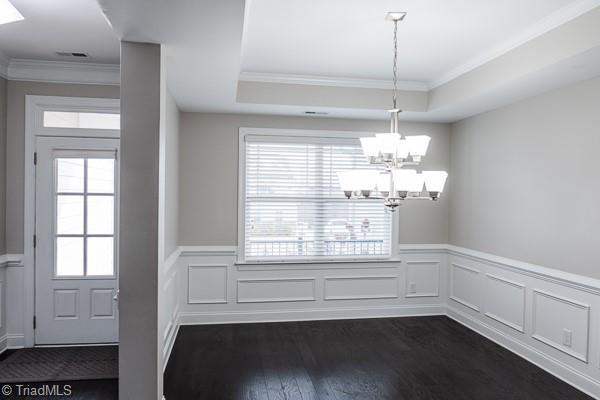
51	26
341	44
350	38
287	44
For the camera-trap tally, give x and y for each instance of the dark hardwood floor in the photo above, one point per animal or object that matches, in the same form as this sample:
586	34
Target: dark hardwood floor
393	358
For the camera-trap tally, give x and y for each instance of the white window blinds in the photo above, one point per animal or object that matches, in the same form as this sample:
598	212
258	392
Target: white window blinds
294	207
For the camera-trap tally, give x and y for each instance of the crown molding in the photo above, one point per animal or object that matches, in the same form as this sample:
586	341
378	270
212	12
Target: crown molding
291	79
62	72
552	21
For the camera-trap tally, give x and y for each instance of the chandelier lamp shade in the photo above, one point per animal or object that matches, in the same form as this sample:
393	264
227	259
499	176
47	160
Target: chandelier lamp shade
391	153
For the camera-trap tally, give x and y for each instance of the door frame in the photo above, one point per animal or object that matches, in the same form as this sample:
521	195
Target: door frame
34	112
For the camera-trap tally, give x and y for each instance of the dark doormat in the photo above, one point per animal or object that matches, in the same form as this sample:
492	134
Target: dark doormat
53	364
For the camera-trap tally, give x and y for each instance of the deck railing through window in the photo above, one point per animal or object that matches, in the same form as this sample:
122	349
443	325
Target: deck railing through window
300	248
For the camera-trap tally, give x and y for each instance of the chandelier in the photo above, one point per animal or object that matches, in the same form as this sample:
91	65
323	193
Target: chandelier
392	151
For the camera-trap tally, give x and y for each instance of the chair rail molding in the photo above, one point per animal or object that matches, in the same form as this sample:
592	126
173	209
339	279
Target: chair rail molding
11	260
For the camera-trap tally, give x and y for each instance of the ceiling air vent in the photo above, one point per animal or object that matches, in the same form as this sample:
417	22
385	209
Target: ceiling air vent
72	54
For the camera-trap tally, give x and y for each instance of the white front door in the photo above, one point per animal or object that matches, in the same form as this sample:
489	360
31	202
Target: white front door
76	249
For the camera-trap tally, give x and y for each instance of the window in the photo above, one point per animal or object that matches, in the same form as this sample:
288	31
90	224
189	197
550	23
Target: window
85	216
81	120
294	208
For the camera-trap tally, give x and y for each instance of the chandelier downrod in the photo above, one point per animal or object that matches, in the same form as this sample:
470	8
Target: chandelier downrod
395	17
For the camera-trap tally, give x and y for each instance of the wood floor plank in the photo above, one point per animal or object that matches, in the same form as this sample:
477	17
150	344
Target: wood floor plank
420	358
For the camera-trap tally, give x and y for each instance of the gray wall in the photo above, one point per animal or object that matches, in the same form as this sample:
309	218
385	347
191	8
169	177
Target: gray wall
15	143
209	172
139	208
525	180
3	92
171	175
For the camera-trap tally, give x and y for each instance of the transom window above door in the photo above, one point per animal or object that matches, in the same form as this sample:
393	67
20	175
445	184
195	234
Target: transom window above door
292	206
85	214
81	120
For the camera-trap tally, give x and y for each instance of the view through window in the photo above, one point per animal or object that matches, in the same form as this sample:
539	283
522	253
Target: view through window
85	216
295	209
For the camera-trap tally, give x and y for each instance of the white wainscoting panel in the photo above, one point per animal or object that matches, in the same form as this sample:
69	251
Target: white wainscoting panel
561	323
2	305
464	285
3	336
422	279
523	307
305	291
207	284
14	298
505	301
546	316
173	294
361	287
269	290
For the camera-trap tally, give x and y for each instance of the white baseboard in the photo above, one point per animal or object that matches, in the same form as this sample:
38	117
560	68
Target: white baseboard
170	341
234	317
15	341
3	343
585	383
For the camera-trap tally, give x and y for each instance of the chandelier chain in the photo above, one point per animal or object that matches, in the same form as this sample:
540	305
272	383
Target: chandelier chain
395	64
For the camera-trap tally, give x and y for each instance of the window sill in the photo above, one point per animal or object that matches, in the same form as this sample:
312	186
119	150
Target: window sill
316	264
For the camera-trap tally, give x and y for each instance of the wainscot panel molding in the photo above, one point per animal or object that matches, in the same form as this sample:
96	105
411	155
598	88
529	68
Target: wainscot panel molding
360	287
464	285
288	291
539	272
170	302
3	337
271	290
422	279
11	301
550	313
207	283
549	317
511	310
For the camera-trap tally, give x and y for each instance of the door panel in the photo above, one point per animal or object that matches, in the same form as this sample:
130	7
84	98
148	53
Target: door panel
76	250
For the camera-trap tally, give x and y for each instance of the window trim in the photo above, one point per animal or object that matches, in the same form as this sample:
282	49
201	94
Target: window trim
241	216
